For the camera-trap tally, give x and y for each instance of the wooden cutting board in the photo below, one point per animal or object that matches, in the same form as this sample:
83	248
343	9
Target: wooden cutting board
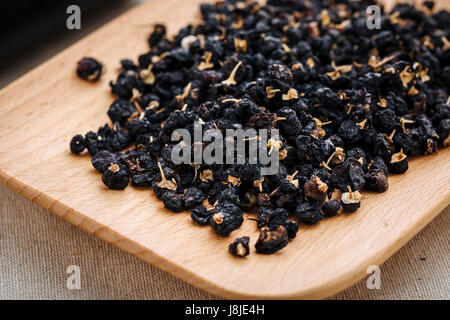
41	111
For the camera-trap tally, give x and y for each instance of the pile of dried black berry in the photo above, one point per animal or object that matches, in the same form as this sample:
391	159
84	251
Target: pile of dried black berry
351	104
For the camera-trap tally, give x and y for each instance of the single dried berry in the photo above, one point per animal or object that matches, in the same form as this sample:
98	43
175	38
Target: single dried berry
308	211
193	197
239	247
350	173
376	180
77	144
226	218
350	201
89	69
267	216
120	110
331	208
116	177
316	188
398	163
271	239
143	179
128	64
349	131
172	201
201	215
291	228
159	31
228	195
378	163
102	160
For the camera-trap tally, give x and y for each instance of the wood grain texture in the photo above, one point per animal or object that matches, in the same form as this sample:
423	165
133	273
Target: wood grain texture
41	111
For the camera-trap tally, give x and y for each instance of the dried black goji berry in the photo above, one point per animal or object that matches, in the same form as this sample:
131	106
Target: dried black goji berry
201	215
376	180
226	218
331	208
291	228
239	247
193	197
399	163
143	179
103	159
271	239
350	173
308	211
350	201
228	195
89	69
77	144
120	110
268	216
316	188
116	177
172	201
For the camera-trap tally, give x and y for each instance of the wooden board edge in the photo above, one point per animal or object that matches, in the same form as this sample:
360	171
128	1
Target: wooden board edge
106	234
359	273
120	241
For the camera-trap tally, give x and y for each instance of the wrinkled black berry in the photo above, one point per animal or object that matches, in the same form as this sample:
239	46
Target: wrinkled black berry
268	216
228	195
201	216
120	110
116	177
350	173
143	179
89	69
350	201
102	160
271	239
239	247
376	180
308	211
193	197
226	218
172	201
398	163
291	228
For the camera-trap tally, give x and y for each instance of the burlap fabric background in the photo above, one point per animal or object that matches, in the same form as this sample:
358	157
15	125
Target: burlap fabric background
36	247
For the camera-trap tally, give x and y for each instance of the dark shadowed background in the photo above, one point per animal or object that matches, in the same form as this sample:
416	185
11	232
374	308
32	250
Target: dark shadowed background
31	31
